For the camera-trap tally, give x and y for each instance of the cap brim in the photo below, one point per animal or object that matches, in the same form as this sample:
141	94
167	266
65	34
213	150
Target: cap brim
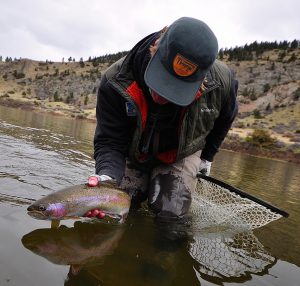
168	86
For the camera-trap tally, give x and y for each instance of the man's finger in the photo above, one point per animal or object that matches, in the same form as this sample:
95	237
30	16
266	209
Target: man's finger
101	215
93	181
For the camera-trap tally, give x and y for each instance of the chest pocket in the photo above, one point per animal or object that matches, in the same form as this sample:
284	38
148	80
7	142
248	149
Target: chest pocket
205	114
130	109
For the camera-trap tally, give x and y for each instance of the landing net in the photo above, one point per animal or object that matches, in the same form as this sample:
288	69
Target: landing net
229	254
216	203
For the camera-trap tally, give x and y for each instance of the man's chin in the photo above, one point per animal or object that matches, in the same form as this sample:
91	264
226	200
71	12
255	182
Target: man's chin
158	99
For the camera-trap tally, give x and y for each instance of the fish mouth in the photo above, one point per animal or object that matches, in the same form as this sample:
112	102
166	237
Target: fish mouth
37	214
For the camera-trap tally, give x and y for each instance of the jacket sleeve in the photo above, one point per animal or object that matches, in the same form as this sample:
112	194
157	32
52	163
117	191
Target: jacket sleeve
222	125
111	134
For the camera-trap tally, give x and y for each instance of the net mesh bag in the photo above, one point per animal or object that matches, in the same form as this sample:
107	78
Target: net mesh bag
228	253
213	204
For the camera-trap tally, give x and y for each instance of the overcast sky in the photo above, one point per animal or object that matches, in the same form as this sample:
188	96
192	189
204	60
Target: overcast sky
53	29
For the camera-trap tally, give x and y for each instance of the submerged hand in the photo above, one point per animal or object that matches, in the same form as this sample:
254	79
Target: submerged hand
93	181
205	167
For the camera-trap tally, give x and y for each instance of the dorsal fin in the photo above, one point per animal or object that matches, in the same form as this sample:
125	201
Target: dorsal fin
109	183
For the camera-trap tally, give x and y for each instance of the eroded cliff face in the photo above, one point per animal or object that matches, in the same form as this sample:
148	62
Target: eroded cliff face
67	87
268	82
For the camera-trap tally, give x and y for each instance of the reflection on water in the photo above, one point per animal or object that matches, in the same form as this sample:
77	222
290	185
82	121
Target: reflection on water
42	153
25	166
217	255
275	182
77	129
66	146
80	246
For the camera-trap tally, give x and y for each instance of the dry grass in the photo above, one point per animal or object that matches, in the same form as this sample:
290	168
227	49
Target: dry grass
280	116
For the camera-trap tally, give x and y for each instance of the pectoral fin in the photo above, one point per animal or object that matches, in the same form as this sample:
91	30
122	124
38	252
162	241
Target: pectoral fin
123	218
55	223
75	268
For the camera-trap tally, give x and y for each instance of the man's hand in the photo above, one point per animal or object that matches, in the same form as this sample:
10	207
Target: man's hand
95	213
93	181
205	167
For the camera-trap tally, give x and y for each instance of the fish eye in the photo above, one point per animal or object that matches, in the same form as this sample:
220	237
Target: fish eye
42	208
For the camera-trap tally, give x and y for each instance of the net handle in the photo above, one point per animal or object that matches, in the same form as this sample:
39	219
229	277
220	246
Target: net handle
243	194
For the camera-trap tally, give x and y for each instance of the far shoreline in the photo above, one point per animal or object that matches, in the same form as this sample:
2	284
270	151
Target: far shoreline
231	143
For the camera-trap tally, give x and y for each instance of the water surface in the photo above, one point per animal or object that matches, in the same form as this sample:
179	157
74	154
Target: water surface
41	153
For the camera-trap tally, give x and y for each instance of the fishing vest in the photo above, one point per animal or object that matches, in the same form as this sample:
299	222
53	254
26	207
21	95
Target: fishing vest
197	119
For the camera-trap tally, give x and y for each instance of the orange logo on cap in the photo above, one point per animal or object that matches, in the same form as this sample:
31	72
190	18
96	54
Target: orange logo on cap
182	66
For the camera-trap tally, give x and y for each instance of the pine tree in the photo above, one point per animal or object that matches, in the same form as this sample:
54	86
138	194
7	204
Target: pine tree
81	63
294	44
221	54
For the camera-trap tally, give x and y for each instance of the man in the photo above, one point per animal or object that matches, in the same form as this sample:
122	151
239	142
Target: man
162	113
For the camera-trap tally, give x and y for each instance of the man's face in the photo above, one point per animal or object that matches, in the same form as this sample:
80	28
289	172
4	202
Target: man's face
157	98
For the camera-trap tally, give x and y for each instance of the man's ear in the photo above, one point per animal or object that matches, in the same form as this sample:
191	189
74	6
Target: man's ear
164	29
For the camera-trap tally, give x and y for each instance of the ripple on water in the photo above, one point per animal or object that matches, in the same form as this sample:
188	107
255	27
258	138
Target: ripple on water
28	168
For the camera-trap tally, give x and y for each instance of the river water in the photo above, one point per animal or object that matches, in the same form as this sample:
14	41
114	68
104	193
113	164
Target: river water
40	153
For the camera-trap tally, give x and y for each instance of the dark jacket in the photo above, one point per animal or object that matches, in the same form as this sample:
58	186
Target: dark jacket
128	120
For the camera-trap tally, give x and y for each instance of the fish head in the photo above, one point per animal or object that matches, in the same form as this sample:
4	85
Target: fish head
46	210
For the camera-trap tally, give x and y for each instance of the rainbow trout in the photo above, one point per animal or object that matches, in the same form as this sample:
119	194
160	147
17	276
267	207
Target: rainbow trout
76	201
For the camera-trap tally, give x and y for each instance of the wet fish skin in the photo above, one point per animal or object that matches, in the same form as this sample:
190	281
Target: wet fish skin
77	200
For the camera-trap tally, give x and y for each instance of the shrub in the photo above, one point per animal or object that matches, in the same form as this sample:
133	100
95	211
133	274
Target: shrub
292	58
18	75
256	114
261	138
240	125
252	95
86	99
56	72
272	66
281	56
266	87
245	92
56	96
296	94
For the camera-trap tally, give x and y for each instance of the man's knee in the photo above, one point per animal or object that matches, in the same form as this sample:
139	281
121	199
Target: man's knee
168	196
135	183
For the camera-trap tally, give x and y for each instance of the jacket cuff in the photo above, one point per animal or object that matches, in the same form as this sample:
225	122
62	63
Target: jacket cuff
207	155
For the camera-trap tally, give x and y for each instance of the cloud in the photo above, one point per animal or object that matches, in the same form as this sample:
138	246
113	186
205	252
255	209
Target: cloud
270	20
52	29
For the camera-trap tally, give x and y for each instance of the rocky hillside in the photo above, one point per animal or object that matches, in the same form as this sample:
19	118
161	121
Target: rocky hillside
68	87
269	91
